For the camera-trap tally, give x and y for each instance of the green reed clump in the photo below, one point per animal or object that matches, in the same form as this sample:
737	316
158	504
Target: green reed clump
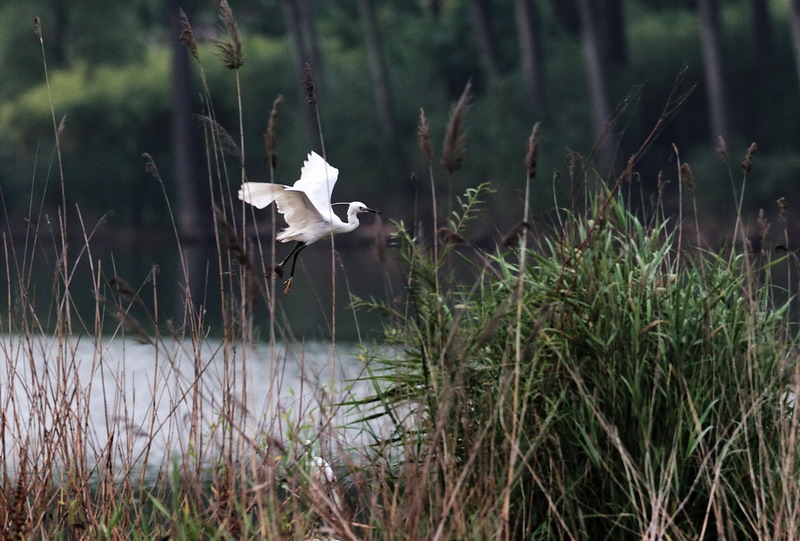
647	399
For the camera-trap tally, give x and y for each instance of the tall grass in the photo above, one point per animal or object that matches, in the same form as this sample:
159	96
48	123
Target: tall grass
592	377
651	394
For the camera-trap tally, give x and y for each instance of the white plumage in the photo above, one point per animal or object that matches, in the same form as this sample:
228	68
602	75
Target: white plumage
306	206
322	471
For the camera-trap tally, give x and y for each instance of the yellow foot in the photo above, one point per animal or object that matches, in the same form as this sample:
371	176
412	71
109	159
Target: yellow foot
287	285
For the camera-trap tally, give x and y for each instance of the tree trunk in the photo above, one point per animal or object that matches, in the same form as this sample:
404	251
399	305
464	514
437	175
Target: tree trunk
61	29
378	71
530	52
435	8
616	44
794	20
308	27
194	199
480	11
566	12
762	32
598	78
716	89
301	57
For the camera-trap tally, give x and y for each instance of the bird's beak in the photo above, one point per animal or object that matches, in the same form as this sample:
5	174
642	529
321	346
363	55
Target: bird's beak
373	211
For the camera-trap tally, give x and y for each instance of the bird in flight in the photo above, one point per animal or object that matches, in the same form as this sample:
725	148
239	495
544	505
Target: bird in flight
306	207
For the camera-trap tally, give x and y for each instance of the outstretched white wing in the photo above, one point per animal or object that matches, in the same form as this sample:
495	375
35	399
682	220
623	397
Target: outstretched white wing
260	194
317	179
305	222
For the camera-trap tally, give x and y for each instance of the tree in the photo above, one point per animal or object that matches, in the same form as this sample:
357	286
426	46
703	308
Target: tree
378	71
616	44
480	12
567	13
530	51
598	76
301	56
714	62
194	198
305	14
61	31
762	32
794	20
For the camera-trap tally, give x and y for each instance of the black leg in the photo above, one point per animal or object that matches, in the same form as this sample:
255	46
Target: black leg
297	247
287	285
279	267
301	245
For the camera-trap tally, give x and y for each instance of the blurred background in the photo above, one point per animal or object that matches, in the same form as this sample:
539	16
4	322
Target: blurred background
124	85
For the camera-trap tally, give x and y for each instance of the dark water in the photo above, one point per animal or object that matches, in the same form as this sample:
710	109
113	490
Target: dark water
146	279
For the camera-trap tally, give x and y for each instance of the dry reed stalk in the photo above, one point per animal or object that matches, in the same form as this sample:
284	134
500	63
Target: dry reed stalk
221	136
531	158
763	230
426	148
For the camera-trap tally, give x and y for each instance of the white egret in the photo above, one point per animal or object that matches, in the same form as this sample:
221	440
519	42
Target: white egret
306	207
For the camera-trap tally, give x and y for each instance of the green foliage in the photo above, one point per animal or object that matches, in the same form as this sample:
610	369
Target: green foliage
627	386
429	61
111	114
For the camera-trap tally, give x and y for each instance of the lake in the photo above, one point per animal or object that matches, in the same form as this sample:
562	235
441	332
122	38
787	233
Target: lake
143	405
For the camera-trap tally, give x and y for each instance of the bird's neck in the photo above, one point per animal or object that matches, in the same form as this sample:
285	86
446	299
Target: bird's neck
340	226
352	221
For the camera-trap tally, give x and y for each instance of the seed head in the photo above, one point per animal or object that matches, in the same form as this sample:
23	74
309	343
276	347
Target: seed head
424	137
231	48
747	164
532	155
454	139
308	84
271	136
687	177
187	36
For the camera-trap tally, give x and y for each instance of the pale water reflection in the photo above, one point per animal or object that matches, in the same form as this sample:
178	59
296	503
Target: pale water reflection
136	404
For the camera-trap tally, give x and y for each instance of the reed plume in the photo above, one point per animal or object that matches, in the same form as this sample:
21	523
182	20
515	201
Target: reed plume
187	36
221	135
424	137
18	514
532	154
747	163
271	135
230	48
782	206
455	138
687	177
150	167
308	84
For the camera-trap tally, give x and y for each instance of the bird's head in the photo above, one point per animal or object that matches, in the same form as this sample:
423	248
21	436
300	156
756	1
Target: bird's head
358	206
